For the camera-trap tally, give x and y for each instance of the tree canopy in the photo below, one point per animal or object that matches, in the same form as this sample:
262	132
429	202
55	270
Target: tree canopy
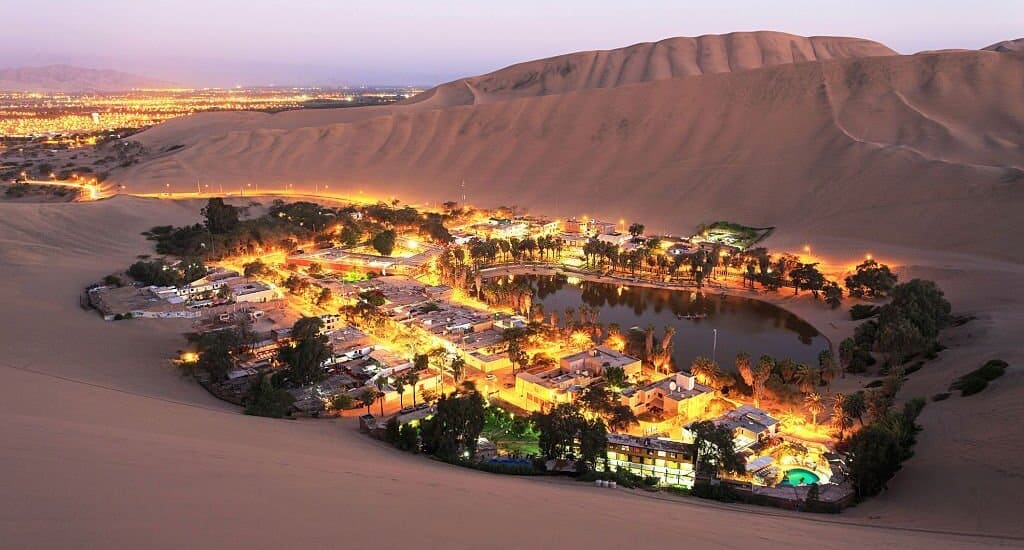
452	433
714	449
304	358
872	280
219	217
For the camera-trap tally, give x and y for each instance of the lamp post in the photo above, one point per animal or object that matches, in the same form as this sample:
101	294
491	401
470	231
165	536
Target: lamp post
714	346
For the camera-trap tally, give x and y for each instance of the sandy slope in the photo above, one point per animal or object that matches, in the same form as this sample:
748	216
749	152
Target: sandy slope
104	446
670	58
1007	46
838	148
673	57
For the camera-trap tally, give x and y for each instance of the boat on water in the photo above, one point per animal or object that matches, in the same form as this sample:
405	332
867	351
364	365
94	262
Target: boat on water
691	315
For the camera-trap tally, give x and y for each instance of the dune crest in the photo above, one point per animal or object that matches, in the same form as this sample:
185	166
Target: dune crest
645	62
1007	46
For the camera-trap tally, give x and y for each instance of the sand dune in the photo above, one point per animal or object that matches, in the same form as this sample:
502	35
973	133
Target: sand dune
107	447
833	148
673	57
670	58
1007	46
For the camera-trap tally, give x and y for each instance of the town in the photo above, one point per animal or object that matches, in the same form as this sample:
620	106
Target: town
414	321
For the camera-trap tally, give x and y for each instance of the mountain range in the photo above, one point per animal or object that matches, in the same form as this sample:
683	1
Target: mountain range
67	78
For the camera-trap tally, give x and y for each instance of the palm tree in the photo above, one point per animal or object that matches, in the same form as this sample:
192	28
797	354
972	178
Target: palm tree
380	382
412	378
745	368
855	406
457	366
368	397
705	370
814	406
828	367
400	388
763	371
806	378
840	420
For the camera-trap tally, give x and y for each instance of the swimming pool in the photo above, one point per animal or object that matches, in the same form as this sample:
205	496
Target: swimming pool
799	476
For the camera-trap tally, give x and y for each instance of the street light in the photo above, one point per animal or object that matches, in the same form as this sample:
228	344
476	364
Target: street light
714	346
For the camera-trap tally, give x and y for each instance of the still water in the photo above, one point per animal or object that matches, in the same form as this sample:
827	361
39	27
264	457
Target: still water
743	324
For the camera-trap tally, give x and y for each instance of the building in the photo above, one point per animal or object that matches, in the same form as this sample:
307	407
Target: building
254	291
748	424
543	387
678	395
599	358
330	323
203	286
348	343
671	462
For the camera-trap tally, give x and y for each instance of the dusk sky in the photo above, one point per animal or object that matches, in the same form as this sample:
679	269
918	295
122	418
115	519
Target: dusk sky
228	42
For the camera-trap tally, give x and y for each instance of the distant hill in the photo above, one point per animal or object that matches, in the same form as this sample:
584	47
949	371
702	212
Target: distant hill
66	78
1007	46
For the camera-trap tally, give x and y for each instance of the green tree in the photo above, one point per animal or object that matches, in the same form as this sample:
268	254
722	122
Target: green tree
854	405
874	457
636	229
391	431
707	372
833	294
872	280
745	368
840	420
341	401
452	433
714	449
368	398
384	242
266	400
615	377
814	406
763	371
219	217
304	359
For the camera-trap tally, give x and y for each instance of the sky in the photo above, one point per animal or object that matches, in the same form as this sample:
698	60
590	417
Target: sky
423	42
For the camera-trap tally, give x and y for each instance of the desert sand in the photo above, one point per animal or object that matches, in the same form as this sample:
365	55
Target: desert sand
915	159
105	445
839	147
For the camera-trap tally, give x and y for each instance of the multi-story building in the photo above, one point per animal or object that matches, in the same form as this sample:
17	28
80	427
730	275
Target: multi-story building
544	387
671	462
678	395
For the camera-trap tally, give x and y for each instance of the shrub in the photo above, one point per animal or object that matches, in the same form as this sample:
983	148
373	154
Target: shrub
391	431
506	469
978	379
914	367
863	311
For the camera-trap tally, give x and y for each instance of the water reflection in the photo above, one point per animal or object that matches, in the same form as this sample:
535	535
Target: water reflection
744	325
